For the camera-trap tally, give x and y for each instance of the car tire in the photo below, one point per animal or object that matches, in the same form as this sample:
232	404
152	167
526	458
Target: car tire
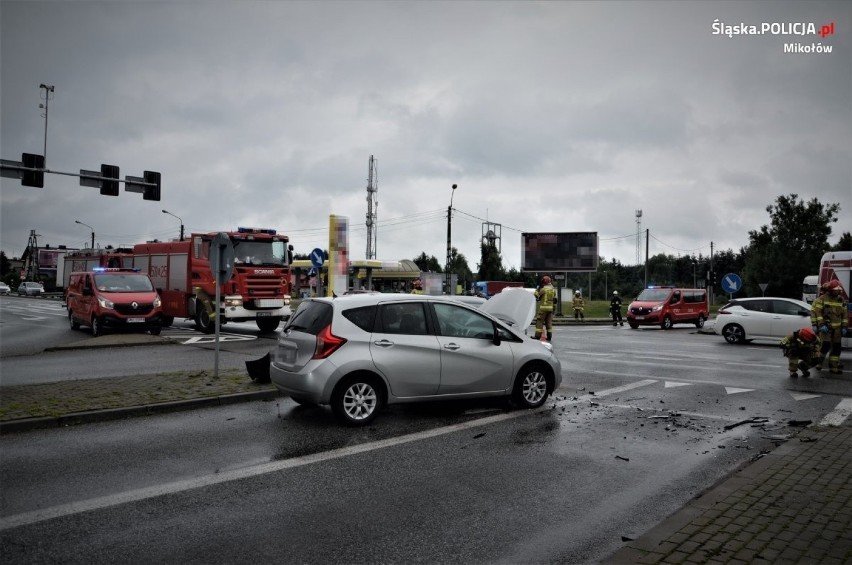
203	321
531	386
734	333
268	325
168	321
357	399
667	322
632	325
72	322
699	323
97	327
156	331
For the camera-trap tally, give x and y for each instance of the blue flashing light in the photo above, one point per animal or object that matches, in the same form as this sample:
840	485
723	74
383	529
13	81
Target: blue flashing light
257	230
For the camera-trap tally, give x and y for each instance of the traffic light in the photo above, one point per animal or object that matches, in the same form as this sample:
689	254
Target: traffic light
151	192
109	184
33	178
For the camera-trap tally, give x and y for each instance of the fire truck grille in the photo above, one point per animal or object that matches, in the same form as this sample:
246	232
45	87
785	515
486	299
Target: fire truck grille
263	286
129	310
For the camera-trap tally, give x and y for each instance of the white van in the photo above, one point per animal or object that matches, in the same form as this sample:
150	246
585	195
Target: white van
810	286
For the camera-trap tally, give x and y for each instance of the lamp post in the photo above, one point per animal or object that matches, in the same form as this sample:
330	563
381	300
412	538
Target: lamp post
91	228
48	90
181	222
449	237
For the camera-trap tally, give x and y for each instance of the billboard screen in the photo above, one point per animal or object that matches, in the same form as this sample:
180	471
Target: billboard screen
544	252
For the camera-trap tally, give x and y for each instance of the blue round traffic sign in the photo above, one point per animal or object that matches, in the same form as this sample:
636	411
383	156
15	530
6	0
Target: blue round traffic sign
731	283
317	257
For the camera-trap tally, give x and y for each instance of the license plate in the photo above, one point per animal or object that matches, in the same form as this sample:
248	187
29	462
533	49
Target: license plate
135	320
640	317
264	314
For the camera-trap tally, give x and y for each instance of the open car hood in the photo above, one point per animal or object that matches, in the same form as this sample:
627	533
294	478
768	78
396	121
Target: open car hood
513	305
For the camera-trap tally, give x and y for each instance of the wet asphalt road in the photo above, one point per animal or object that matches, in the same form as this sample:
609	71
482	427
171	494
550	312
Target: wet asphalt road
637	429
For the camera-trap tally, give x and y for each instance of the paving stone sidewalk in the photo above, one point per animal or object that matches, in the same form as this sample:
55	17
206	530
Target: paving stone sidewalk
792	506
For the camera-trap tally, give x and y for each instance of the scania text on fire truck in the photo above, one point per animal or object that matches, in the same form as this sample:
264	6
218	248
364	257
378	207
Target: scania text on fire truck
258	290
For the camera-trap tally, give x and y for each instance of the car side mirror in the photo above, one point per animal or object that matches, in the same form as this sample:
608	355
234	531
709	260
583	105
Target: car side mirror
87	291
804	313
495	339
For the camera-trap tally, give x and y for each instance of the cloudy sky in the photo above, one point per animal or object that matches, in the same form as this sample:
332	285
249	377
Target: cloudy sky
549	116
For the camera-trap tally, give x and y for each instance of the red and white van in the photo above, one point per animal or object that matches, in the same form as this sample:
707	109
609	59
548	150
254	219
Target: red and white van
665	306
113	299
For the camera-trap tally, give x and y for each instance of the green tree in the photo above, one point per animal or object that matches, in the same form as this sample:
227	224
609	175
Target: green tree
491	264
845	243
460	268
5	266
428	264
790	247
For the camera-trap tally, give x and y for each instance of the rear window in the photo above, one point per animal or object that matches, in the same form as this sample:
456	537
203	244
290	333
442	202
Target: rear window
310	317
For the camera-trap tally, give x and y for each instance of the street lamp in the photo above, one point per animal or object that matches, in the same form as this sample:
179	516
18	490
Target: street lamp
91	228
181	222
449	238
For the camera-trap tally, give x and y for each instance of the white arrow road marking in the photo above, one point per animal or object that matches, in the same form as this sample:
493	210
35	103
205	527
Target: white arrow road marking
803	396
670	384
32	318
732	390
837	416
222	338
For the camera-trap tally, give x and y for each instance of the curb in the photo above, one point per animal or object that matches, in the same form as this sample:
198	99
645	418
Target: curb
91	416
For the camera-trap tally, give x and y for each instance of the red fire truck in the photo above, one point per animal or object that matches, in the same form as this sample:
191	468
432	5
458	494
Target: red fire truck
258	290
91	259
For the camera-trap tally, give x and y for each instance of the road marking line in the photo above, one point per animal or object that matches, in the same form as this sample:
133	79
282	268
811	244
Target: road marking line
136	495
803	396
732	390
837	416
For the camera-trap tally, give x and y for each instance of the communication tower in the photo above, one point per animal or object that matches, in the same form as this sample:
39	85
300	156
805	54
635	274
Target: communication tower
638	237
492	234
372	209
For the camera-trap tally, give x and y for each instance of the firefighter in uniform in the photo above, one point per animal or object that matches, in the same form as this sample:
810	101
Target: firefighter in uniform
538	311
418	287
615	309
830	319
546	296
579	306
802	350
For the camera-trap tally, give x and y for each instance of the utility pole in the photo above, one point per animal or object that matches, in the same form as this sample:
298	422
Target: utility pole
710	292
647	237
372	209
448	278
48	91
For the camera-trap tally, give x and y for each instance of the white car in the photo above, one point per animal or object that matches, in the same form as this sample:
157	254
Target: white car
30	289
766	318
4	288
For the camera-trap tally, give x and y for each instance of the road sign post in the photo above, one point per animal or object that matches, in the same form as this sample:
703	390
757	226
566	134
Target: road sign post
222	265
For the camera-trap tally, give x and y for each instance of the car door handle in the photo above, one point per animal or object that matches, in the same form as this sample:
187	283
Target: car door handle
452	346
383	343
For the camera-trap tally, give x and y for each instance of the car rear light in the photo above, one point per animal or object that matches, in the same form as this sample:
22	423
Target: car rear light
327	343
722	312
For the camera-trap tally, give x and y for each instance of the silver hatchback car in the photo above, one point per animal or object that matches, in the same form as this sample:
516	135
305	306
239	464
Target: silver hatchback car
362	351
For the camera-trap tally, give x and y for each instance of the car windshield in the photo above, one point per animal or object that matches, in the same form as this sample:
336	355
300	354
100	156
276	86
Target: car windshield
123	283
653	295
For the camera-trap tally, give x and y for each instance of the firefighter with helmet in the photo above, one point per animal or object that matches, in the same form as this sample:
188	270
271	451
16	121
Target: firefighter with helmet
579	306
829	318
615	309
802	350
546	297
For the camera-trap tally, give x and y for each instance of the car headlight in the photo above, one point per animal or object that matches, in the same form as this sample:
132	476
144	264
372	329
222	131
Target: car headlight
157	302
108	304
657	308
